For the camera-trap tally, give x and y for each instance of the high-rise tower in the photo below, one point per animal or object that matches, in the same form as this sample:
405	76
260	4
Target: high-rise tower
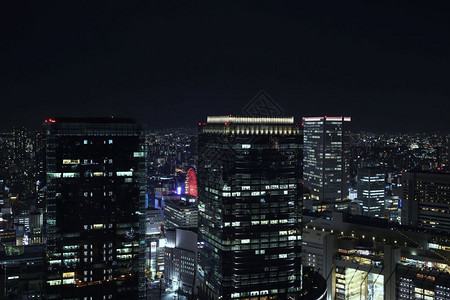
249	194
326	161
95	208
371	186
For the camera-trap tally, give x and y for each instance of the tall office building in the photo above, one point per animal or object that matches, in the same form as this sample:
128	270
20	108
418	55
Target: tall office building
326	171
249	194
95	208
371	185
426	200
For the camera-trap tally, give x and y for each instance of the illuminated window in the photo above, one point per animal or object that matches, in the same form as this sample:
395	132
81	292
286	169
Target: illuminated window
124	173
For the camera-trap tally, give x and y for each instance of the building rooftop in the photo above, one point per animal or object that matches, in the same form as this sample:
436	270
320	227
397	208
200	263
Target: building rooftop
249	120
180	203
340	118
93	120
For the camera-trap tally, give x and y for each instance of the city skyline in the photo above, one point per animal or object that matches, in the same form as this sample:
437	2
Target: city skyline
37	127
225	150
225	210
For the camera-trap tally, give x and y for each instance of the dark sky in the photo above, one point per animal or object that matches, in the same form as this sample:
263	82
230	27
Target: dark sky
172	63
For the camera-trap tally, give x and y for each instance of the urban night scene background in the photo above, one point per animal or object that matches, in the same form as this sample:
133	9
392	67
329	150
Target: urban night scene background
235	150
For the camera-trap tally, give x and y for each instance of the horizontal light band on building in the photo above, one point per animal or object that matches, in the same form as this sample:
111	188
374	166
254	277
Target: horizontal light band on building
250	120
312	119
124	173
253	130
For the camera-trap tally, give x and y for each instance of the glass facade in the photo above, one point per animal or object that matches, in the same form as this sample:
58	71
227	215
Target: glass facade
354	284
180	214
426	200
326	145
249	193
95	209
371	185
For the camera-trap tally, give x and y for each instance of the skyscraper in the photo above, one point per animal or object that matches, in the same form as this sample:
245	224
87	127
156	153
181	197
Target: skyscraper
95	208
326	161
249	194
371	185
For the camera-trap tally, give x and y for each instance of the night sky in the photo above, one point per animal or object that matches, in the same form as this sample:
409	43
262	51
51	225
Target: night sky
172	63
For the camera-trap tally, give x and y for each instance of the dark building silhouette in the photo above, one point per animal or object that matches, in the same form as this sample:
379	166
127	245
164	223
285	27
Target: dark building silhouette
95	208
249	195
22	272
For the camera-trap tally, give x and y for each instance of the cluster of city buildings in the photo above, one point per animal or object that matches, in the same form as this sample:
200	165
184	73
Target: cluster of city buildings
240	208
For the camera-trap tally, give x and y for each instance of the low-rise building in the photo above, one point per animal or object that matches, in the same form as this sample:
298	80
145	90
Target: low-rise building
369	258
181	261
